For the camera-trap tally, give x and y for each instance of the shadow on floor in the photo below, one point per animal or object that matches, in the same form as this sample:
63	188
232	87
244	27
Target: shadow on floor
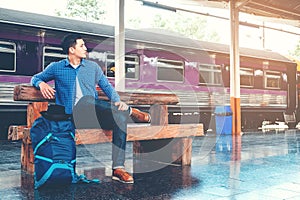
160	184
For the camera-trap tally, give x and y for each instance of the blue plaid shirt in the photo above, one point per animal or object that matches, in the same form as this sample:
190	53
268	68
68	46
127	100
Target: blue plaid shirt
64	75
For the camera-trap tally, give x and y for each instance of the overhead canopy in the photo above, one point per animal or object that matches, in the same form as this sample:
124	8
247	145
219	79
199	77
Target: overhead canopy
282	11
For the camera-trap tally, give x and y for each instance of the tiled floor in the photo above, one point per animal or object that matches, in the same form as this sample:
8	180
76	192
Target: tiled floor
254	166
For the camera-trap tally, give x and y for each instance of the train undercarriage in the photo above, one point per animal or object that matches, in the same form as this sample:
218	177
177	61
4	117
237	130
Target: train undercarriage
251	119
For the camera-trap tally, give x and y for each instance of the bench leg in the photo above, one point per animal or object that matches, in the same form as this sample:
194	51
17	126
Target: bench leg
182	151
33	111
27	157
27	184
166	151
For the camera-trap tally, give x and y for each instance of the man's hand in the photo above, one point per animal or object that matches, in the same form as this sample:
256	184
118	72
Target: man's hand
121	105
47	91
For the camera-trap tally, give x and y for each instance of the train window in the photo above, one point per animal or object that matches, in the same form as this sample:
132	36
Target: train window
272	79
131	66
246	77
52	54
210	74
170	70
7	56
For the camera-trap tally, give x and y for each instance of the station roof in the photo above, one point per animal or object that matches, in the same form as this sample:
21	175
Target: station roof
282	11
149	36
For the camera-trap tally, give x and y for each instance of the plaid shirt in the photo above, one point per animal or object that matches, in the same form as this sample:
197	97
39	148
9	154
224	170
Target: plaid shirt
64	75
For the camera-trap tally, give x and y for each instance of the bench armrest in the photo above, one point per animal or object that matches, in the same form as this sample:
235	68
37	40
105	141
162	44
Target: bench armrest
30	93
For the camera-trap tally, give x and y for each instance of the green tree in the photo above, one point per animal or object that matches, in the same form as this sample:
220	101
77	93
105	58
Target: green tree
296	52
87	10
193	27
189	25
134	22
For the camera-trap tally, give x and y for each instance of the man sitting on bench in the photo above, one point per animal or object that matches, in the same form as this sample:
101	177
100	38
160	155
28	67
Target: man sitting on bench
75	80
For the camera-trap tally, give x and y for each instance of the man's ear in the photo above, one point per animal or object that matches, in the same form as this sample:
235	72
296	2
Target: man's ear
71	49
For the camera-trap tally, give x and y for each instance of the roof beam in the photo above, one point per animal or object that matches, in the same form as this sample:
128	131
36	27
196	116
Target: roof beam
273	9
239	5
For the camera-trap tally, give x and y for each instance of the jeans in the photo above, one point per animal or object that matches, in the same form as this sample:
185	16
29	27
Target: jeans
94	113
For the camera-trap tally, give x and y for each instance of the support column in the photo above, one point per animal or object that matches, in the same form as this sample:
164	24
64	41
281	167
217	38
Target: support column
235	69
120	47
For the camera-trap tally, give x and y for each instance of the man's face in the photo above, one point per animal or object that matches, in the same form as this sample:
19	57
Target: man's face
79	50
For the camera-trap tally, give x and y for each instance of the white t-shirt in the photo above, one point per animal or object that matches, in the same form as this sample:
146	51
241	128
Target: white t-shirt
78	92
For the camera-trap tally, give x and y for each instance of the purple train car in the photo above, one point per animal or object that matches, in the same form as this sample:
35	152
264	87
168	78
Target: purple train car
155	61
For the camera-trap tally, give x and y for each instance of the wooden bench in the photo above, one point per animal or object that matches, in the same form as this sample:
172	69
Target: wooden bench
145	137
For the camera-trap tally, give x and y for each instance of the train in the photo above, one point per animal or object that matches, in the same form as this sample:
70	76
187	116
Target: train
156	61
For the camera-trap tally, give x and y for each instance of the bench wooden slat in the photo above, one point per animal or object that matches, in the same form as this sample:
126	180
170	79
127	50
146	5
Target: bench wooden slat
140	133
135	133
30	93
15	132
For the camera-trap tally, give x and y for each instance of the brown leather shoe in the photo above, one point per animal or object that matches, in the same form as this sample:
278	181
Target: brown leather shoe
122	175
139	116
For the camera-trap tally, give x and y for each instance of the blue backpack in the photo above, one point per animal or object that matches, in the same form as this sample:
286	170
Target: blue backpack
54	151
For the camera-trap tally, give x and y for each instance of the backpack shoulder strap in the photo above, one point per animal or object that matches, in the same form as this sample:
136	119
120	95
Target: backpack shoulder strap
46	138
83	179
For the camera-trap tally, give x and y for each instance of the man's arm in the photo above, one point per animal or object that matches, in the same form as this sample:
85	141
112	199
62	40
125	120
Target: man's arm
39	81
111	93
47	91
106	87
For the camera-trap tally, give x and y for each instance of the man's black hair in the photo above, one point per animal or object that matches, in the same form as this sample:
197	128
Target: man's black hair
69	41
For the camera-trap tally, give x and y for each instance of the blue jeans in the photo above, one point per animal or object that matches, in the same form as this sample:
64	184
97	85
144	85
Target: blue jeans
94	113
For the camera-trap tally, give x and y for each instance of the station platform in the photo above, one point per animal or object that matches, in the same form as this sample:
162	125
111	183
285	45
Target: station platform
252	166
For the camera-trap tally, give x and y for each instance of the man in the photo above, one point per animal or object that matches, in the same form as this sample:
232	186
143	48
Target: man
75	80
